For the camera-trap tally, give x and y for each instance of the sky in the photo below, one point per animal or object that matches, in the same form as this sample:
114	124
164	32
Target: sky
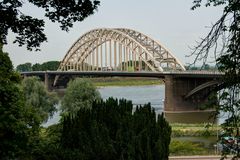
171	22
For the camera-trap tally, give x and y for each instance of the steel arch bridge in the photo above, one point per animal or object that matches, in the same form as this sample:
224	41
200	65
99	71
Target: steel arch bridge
118	49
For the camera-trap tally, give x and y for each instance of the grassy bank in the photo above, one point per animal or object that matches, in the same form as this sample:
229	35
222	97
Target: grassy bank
188	148
193	139
193	130
124	81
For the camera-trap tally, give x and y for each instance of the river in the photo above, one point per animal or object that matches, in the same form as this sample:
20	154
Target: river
138	94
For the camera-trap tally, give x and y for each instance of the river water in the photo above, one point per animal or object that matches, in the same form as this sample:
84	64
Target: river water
139	95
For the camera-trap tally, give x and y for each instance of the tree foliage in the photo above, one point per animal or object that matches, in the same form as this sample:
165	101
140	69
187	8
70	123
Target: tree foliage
19	121
24	67
80	93
111	131
36	67
30	30
46	66
14	116
50	66
37	96
227	54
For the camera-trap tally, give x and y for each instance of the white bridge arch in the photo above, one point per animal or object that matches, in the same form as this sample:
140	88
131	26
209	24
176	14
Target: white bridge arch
118	49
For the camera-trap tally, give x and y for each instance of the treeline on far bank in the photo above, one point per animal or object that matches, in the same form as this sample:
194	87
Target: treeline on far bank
46	66
53	65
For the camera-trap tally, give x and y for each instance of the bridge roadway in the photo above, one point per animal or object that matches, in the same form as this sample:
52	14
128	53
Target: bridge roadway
189	74
185	91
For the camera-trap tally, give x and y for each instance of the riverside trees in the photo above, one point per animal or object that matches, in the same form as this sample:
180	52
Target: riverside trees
98	129
37	96
16	118
22	110
80	93
95	129
46	66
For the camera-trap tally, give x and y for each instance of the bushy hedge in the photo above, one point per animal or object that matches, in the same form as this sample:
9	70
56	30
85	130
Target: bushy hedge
111	131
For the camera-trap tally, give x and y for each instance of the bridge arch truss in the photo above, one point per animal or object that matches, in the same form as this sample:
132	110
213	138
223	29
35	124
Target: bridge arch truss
118	49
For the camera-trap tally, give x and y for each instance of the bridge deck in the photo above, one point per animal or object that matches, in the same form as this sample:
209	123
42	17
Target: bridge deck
127	74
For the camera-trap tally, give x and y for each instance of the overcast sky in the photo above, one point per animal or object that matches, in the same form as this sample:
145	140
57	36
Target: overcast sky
169	21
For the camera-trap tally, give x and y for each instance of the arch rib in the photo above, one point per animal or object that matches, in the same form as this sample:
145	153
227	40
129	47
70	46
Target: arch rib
153	54
202	86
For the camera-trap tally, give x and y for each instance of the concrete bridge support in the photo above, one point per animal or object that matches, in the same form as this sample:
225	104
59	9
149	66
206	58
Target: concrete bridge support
178	108
48	81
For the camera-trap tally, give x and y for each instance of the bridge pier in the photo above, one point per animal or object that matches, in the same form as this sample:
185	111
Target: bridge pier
48	81
178	108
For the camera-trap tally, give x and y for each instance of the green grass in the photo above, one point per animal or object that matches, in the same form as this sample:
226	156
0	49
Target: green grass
193	130
179	148
117	81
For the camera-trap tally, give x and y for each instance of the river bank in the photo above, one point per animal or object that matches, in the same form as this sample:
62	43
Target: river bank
194	130
125	81
194	139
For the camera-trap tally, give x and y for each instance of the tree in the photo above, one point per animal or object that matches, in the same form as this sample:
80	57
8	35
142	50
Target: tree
37	96
17	120
37	67
111	131
80	93
41	105
29	30
24	67
227	29
163	143
46	66
50	65
14	122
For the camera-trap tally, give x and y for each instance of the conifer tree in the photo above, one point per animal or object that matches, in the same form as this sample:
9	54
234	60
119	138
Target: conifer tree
111	131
